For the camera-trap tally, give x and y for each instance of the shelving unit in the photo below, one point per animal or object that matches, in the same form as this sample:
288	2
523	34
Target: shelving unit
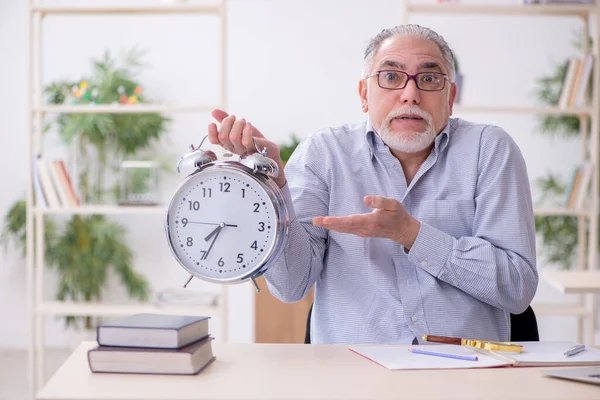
587	252
577	10
99	209
98	310
578	282
120	109
119	9
584	111
38	307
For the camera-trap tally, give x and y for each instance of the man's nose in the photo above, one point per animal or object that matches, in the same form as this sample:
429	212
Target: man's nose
411	93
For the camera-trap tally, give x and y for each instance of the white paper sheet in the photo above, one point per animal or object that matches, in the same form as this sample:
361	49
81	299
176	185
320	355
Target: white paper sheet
399	357
552	353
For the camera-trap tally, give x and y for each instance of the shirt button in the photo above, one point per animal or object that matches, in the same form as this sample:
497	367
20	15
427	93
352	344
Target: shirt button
423	263
414	319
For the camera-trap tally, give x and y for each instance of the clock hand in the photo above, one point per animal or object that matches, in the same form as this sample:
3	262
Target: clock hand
221	225
218	230
209	223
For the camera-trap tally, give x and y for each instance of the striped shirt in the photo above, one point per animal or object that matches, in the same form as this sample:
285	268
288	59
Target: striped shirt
473	261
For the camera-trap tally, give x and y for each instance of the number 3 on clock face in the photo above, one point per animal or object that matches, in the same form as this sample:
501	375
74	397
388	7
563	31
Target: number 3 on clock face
225	224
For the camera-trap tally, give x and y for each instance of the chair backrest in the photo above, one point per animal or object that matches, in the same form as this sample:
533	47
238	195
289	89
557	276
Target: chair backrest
523	327
307	334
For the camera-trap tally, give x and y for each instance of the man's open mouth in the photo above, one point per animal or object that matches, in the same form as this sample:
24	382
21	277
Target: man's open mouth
409	116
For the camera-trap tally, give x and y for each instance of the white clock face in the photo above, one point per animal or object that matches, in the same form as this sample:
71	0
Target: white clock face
222	224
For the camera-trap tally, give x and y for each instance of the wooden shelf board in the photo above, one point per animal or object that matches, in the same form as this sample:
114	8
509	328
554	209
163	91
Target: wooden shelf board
127	9
573	282
80	309
560	310
123	109
545	211
99	209
499	9
583	111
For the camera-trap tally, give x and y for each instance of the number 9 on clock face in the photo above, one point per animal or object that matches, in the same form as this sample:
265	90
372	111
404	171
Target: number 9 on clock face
225	224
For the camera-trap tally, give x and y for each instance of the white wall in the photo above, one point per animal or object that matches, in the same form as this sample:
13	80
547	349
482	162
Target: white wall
293	68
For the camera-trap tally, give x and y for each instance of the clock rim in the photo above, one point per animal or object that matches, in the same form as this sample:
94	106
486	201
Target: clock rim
282	220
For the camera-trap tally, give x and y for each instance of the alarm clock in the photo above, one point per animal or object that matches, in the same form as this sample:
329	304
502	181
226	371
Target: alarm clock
227	221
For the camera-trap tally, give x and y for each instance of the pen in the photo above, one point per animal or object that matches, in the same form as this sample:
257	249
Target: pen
574	350
444	339
447	355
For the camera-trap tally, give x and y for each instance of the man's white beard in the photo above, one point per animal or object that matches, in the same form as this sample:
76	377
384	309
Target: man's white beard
407	142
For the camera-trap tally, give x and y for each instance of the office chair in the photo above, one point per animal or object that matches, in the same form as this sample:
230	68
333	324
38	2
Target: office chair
523	327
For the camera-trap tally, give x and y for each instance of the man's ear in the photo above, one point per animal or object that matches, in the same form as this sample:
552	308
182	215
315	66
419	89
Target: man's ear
451	97
362	92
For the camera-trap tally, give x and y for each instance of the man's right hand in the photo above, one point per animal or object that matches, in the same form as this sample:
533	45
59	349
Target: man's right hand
235	135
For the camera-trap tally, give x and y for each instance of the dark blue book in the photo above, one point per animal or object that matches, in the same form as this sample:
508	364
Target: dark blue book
188	360
160	331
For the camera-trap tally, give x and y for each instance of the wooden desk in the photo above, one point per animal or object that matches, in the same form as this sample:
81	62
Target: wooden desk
298	371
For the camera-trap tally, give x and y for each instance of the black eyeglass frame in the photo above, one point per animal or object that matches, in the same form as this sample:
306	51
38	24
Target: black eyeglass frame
409	77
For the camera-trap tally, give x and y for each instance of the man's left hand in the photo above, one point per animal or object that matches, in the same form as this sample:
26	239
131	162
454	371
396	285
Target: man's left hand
388	220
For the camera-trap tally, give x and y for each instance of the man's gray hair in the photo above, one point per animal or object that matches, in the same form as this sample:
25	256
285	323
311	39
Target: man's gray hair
409	30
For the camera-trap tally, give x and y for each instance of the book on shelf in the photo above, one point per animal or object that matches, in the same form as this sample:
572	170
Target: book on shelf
58	184
67	184
582	89
587	175
52	184
187	360
567	84
578	186
575	85
48	192
153	331
540	354
572	187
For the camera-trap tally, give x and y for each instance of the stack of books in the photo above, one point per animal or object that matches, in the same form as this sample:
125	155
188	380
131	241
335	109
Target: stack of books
153	344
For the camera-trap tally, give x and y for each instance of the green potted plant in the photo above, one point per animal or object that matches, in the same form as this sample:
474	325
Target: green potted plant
286	149
83	249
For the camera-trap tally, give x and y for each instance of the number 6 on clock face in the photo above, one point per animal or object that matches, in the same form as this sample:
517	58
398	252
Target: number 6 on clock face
225	223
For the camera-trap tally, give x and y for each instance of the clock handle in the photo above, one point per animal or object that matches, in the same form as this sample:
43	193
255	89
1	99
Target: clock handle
200	156
262	152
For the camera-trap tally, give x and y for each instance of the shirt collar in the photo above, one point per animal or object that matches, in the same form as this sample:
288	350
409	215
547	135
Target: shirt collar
373	139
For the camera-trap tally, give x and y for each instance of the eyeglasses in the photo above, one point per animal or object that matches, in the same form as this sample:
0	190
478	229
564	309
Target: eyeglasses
395	80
